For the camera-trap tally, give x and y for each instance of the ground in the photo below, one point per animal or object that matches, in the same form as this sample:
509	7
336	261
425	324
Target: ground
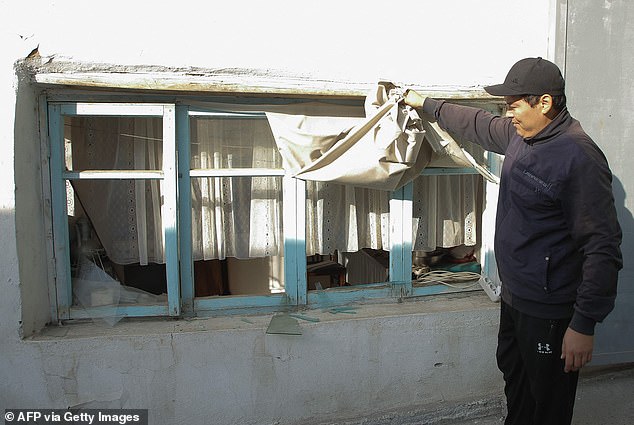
604	397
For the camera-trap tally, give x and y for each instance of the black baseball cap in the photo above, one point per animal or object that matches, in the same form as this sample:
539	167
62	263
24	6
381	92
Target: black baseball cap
535	76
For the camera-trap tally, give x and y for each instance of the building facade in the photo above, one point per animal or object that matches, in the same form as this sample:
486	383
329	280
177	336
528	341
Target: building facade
136	141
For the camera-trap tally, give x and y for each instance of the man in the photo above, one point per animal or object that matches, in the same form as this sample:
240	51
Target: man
557	236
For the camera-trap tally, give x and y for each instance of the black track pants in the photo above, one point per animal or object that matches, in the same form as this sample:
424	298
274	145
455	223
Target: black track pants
538	392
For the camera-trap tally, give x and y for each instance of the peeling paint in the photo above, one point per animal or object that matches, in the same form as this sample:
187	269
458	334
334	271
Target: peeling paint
218	81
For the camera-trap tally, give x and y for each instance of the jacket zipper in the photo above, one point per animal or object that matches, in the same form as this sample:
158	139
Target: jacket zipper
546	283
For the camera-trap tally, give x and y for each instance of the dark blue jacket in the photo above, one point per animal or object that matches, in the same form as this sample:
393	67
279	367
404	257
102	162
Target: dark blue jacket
557	237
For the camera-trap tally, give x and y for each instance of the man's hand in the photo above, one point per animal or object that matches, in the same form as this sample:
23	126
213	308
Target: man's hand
414	99
576	350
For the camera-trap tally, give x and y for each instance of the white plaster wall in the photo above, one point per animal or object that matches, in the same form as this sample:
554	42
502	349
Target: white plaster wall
9	279
406	357
449	42
236	375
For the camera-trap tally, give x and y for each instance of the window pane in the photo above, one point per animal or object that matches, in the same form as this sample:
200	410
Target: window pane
446	212
113	143
126	215
476	151
237	235
116	243
232	143
347	235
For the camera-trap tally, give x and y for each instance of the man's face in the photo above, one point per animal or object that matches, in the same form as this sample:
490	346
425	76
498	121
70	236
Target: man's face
528	120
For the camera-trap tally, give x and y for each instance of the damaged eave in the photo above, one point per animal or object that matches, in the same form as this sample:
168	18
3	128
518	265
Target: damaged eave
232	81
172	82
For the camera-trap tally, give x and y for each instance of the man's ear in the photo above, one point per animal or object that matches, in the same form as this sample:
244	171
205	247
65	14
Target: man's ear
546	104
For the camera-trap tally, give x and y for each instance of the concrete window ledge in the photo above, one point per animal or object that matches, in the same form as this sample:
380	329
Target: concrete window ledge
445	304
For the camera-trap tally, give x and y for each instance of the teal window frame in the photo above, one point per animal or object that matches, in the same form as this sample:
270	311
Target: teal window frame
176	177
59	177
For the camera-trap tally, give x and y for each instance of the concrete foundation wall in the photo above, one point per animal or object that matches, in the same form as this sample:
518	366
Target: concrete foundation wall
403	356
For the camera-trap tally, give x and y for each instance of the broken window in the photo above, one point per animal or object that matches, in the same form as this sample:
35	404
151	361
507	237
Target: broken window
114	198
163	209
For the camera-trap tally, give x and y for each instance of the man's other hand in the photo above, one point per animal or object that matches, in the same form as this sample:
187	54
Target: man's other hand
576	350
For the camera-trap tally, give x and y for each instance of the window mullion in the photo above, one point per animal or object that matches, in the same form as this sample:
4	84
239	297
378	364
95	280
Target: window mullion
185	208
302	285
294	222
169	209
401	240
407	219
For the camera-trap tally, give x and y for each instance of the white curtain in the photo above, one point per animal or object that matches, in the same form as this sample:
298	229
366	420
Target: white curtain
345	218
445	211
235	216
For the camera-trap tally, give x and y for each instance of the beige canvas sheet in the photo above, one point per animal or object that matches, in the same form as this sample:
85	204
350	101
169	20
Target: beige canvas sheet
385	150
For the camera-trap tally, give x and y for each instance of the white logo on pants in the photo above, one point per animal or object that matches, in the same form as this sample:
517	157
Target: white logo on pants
544	348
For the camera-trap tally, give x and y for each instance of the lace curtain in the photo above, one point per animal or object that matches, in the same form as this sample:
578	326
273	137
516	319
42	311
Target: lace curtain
235	216
345	218
445	211
125	214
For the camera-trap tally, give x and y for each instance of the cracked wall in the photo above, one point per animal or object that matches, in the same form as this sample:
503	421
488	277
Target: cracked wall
402	356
